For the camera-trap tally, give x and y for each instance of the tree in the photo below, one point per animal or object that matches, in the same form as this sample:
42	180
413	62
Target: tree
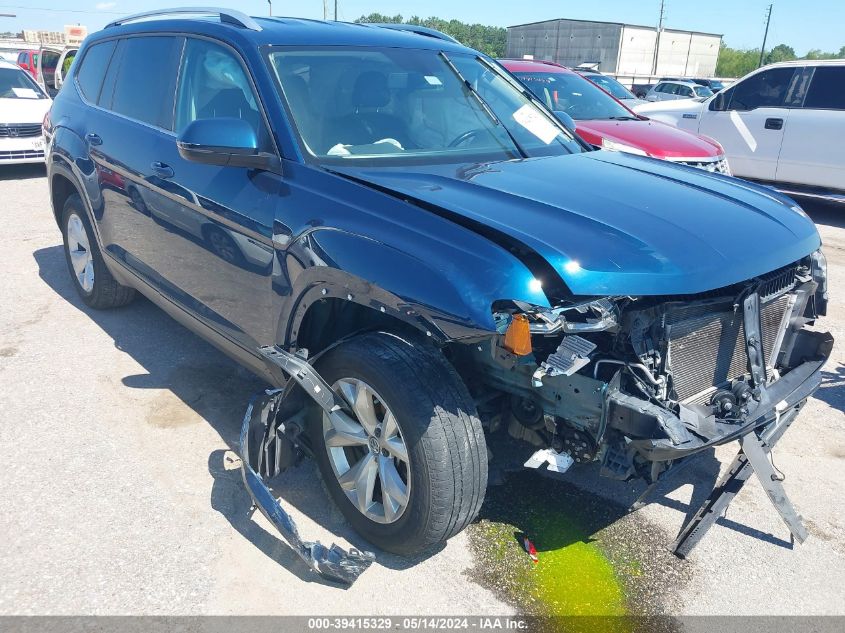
491	40
781	53
736	62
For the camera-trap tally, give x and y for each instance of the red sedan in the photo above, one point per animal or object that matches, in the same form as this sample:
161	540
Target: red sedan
604	122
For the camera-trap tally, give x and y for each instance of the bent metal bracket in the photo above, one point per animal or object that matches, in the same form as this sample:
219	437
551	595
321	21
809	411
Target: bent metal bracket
266	451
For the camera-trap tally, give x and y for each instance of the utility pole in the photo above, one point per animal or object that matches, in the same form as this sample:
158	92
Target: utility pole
270	2
335	10
766	34
657	40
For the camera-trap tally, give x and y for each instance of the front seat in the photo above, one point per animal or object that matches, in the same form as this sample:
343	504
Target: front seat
368	123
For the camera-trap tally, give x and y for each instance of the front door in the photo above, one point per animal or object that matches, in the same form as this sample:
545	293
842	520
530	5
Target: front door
213	225
750	119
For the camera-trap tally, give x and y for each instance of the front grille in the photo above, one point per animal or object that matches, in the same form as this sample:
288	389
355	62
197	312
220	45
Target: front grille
716	166
707	343
20	130
21	154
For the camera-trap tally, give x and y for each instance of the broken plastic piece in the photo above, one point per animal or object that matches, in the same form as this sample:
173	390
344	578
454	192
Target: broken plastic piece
572	354
558	462
530	549
261	419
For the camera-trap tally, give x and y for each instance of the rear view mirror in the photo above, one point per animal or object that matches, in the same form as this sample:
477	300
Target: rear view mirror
568	121
223	141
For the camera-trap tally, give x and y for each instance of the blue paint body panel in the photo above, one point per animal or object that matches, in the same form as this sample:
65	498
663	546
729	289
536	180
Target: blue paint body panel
245	253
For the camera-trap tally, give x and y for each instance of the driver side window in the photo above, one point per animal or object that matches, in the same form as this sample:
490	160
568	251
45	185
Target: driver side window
213	84
767	89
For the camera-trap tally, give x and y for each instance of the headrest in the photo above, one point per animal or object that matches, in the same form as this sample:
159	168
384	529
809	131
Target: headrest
370	90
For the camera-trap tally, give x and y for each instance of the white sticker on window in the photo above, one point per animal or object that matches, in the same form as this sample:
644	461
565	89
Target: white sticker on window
529	118
433	81
25	93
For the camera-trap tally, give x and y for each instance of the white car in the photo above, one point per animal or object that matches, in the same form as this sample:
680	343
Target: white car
23	104
782	124
673	90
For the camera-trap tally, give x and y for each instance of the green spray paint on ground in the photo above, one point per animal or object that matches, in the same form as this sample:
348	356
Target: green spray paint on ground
589	553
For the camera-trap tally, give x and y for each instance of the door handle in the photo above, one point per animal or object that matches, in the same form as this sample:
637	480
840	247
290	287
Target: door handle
162	170
774	124
93	139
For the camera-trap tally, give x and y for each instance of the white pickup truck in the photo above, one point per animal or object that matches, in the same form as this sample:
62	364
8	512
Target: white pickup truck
782	124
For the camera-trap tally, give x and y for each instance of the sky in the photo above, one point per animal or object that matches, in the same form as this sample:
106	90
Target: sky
802	24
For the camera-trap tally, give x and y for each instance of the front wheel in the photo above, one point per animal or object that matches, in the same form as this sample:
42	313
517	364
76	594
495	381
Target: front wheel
410	470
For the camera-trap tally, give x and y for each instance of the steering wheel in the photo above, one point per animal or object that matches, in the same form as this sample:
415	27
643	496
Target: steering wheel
465	136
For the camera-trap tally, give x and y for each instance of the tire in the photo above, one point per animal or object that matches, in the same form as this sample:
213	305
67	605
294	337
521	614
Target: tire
93	281
445	474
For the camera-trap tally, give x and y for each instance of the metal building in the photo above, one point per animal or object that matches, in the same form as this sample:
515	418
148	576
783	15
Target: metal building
619	49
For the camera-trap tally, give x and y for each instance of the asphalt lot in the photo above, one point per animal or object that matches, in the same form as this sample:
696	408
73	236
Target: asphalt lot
122	495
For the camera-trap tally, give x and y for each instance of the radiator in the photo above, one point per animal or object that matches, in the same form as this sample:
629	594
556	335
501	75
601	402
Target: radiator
706	344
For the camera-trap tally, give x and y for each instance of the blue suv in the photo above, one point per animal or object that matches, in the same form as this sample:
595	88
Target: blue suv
386	224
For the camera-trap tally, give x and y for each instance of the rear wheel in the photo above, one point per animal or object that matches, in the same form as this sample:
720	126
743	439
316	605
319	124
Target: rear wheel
91	278
410	470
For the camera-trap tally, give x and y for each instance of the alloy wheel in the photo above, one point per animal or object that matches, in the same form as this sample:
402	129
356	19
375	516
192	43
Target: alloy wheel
368	454
79	251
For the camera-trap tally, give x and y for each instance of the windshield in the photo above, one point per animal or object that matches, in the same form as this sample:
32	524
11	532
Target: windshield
395	104
702	91
612	86
16	84
571	93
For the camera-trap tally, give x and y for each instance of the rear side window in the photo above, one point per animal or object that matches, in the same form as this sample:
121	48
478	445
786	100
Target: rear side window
827	90
764	90
145	80
90	74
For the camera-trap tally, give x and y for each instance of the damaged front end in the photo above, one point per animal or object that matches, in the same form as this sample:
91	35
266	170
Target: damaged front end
641	383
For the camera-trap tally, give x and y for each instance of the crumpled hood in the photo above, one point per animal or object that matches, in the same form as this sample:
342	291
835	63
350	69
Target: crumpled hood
615	224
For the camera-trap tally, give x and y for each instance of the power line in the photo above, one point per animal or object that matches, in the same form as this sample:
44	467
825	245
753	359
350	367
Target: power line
657	40
50	10
766	34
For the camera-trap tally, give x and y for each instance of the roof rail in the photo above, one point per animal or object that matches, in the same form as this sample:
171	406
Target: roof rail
227	16
419	30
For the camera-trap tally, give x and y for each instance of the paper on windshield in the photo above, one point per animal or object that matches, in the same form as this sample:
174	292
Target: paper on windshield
25	93
528	117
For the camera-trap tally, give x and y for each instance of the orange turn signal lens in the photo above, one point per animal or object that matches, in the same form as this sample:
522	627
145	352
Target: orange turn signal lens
518	336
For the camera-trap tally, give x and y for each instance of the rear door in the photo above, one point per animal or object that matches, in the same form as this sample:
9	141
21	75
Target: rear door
683	92
813	151
750	118
212	224
48	61
134	118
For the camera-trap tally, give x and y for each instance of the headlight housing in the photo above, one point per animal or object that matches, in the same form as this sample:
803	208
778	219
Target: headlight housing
615	146
595	315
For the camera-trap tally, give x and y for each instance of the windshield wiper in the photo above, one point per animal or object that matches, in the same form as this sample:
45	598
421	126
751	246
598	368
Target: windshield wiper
623	118
484	105
532	98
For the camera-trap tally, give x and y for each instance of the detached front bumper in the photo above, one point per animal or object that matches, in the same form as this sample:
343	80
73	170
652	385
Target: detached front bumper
656	434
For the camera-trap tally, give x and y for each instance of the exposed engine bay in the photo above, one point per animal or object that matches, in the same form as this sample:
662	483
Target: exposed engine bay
637	382
641	383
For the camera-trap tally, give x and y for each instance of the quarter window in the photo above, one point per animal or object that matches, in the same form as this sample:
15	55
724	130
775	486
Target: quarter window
213	84
90	74
764	90
827	90
144	85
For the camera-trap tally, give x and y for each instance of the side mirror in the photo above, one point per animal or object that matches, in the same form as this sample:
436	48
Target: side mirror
719	103
225	141
563	117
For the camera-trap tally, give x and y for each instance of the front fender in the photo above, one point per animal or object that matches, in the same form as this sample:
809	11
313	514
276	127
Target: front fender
447	296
